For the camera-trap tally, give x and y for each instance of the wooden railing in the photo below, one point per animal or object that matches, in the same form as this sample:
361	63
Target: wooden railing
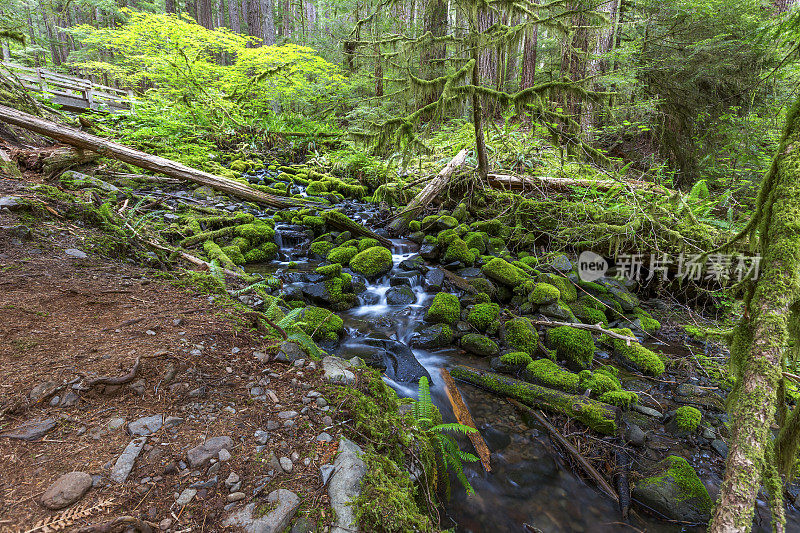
70	92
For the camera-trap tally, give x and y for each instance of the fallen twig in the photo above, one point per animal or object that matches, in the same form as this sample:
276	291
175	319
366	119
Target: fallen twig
464	417
590	327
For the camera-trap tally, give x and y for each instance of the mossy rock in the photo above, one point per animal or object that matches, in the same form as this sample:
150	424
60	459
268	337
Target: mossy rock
320	249
458	251
445	309
520	335
687	419
483	315
342	254
266	252
479	345
620	398
516	359
544	294
256	232
598	382
333	270
477	240
548	374
372	262
432	337
565	287
575	346
320	323
675	491
636	356
504	272
586	310
366	243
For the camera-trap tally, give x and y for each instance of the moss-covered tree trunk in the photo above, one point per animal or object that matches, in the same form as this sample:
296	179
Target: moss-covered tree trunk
760	343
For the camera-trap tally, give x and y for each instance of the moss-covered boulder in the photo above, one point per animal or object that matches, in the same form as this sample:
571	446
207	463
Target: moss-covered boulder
568	291
636	356
320	323
520	335
675	491
484	316
573	345
372	262
320	249
479	345
445	309
458	252
516	359
342	254
504	272
546	373
686	420
544	294
588	310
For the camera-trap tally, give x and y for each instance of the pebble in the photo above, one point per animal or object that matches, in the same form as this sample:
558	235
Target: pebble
165	524
262	437
232	479
203	453
147	425
122	468
321	402
236	496
327	420
185	497
294	457
287	414
150	332
74	252
224	455
324	437
649	411
286	464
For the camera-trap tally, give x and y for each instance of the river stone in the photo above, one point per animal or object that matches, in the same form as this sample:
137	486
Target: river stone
557	311
412	264
432	337
318	293
30	429
395	358
334	370
122	468
9	202
284	504
675	491
185	497
434	280
428	252
147	425
649	411
199	455
66	490
345	485
400	295
479	345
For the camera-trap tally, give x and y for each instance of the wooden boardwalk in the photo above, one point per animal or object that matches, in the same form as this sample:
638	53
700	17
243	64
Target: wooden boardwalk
70	92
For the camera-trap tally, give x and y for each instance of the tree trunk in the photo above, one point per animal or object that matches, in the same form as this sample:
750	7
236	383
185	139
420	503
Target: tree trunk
140	159
603	41
378	71
477	122
760	340
253	17
191	8
287	19
432	58
233	15
204	14
267	22
169	6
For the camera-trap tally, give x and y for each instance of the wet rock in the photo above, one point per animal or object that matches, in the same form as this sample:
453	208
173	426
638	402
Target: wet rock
10	202
30	430
147	425
284	504
432	337
495	439
319	294
345	485
557	311
434	280
675	491
648	411
635	435
122	468
66	490
479	345
335	370
401	295
719	446
428	252
199	455
561	263
415	263
395	358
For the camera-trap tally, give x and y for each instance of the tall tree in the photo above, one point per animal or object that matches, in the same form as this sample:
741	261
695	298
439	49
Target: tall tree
233	15
267	22
205	14
169	6
602	43
528	75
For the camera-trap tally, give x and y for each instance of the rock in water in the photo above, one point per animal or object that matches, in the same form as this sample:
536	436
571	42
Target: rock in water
66	490
675	491
284	504
394	357
345	485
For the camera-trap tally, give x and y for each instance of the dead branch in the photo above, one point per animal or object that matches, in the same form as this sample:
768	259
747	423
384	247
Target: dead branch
119	380
591	327
510	182
120	524
464	417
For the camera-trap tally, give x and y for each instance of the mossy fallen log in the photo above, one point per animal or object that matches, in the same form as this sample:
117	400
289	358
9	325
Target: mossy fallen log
599	416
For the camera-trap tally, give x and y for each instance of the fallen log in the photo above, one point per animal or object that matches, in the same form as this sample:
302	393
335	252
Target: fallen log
51	161
465	418
599	416
580	459
511	182
342	222
458	281
153	163
427	194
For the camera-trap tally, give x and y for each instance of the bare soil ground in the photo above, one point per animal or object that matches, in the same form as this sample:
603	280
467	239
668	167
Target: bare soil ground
65	320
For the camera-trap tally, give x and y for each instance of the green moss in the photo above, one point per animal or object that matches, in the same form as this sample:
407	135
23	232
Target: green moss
476	240
520	359
479	345
458	250
320	323
445	309
591	286
483	285
586	310
620	398
330	271
342	254
636	355
367	242
491	227
256	232
504	272
598	382
548	374
521	335
565	287
575	346
214	252
313	222
234	253
320	248
484	315
414	225
688	418
265	252
372	262
684	476
543	294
